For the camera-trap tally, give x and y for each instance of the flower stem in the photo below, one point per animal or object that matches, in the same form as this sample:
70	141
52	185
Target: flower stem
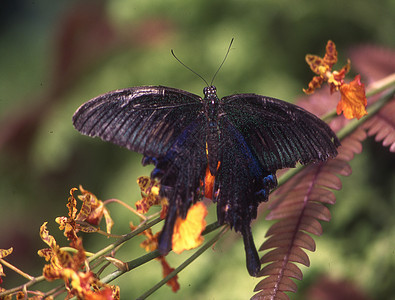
194	256
124	238
15	269
148	257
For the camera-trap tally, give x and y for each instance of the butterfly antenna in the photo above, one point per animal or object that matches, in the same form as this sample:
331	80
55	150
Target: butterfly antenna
226	55
172	52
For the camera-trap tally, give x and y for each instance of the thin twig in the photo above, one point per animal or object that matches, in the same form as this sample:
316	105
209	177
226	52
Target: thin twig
15	269
126	237
194	256
125	205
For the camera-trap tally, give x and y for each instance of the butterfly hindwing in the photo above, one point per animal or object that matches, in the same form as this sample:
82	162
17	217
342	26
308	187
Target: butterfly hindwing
242	183
181	172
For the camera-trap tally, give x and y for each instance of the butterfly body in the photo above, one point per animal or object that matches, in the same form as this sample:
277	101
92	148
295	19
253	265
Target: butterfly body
243	139
211	104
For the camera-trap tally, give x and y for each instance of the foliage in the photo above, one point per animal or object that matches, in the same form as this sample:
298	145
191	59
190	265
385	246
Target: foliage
37	138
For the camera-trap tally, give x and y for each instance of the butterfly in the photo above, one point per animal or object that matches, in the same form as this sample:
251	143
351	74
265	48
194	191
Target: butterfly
243	139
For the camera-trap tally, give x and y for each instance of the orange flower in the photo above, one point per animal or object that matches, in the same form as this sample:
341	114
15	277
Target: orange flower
353	99
323	68
91	213
69	267
59	259
150	244
175	286
150	193
95	210
187	232
4	253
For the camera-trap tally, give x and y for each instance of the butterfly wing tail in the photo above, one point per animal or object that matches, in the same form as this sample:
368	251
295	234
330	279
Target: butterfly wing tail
252	257
165	238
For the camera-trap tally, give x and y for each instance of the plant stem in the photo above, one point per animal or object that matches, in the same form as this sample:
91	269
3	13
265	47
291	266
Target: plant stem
15	269
148	257
194	256
25	285
126	237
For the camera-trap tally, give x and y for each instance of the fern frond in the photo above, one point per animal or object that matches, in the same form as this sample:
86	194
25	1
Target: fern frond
299	205
382	126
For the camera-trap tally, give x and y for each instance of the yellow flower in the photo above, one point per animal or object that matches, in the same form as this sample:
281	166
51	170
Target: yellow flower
353	99
71	268
150	244
150	193
323	68
187	232
4	253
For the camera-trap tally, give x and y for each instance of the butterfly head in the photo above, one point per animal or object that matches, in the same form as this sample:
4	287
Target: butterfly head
210	92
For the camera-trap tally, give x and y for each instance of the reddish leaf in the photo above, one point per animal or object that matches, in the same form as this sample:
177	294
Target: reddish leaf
310	209
298	205
338	167
285	284
294	254
382	126
307	224
268	294
374	63
301	240
318	195
328	180
290	270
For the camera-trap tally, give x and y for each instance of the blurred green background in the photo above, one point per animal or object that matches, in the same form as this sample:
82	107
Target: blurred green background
55	55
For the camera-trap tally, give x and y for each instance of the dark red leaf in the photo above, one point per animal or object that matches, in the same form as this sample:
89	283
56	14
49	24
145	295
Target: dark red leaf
268	294
294	254
307	224
301	239
382	126
298	205
285	284
290	270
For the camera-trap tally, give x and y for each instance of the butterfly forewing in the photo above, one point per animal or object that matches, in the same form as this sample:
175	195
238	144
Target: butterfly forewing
147	119
279	134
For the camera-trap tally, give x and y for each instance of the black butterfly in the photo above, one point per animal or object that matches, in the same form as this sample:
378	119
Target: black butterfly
243	139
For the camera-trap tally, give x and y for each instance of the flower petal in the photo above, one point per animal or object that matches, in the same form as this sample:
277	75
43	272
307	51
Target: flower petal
353	99
175	286
187	232
330	57
149	192
5	252
314	84
316	63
